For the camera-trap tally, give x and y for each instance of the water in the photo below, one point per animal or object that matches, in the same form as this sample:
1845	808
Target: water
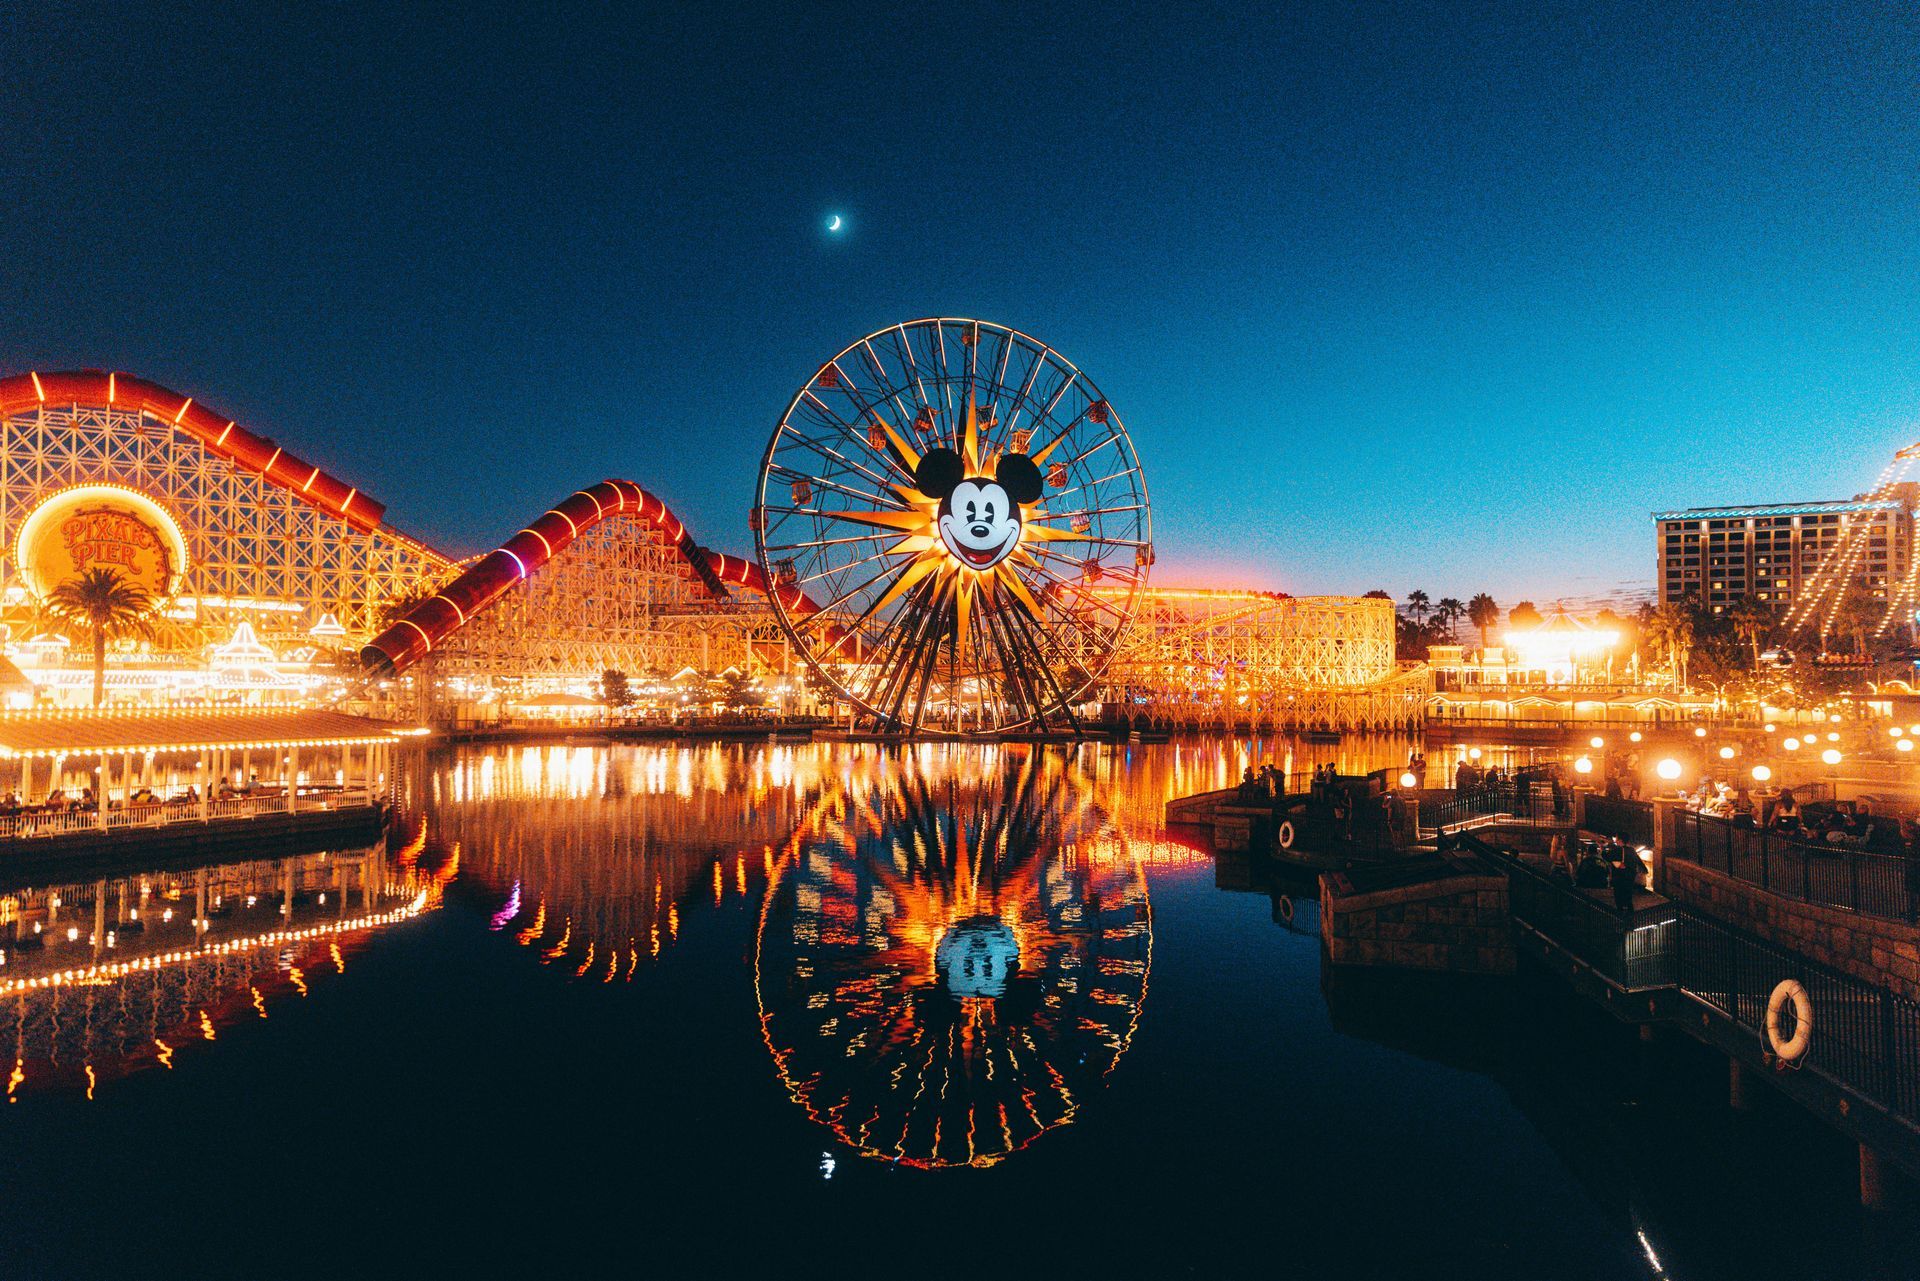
816	1010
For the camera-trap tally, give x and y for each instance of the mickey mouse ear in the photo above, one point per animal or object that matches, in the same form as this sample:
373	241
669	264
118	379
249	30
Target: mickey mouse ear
1019	475
939	473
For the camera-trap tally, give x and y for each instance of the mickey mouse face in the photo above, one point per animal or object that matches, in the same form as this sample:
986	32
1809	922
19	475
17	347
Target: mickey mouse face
980	517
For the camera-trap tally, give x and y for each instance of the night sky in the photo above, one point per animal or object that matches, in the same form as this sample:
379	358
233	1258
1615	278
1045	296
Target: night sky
1388	296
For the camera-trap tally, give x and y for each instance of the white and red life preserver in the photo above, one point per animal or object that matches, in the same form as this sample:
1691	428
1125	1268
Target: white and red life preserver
1789	1049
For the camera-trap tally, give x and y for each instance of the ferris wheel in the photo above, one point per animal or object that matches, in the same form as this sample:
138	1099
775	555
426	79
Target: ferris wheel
955	527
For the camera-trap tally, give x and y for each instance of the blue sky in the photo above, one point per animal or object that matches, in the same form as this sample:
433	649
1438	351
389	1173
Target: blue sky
1389	296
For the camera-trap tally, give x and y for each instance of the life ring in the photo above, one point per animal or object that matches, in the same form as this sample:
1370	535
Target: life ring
1285	908
1790	1049
1286	834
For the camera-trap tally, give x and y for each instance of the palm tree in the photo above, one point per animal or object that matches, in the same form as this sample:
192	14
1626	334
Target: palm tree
1483	613
1751	623
1856	619
1417	605
107	605
1670	627
1448	614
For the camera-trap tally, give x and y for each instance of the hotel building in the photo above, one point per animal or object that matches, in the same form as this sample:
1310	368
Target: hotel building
1771	553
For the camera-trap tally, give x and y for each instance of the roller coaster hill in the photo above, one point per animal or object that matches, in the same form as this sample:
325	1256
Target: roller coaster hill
277	581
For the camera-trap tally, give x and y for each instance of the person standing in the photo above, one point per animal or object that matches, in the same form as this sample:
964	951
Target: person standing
1624	876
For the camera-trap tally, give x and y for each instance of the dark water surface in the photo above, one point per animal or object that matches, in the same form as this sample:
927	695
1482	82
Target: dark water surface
767	1010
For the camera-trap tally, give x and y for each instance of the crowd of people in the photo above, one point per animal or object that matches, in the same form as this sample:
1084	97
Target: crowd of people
1609	864
1524	791
1263	785
1846	824
86	801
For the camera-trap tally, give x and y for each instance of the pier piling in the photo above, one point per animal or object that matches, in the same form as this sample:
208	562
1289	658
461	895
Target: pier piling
1873	1188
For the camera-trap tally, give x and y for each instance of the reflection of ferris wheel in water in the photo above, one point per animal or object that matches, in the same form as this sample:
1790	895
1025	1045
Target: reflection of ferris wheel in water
955	526
947	969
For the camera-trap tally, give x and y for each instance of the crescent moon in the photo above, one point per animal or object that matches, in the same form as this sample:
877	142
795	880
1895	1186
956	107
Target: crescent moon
835	224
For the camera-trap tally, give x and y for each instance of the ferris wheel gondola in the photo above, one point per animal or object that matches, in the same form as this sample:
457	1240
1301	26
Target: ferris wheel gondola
956	526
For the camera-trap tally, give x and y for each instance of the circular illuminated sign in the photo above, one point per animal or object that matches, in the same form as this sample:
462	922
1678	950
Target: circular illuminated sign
980	518
101	527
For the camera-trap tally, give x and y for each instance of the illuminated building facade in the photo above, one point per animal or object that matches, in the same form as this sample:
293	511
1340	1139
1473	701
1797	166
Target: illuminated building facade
1774	554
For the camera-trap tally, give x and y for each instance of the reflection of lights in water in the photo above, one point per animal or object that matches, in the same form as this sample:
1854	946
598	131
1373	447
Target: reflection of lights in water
827	1165
951	961
508	910
172	983
1653	1260
977	956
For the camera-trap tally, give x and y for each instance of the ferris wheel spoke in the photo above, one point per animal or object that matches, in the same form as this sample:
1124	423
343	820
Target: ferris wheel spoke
809	442
867	412
1040	455
821	613
1038	640
1091	597
891	500
913	369
898	673
852	432
1010	667
1090	513
915	632
942	379
1091	450
874	536
838	569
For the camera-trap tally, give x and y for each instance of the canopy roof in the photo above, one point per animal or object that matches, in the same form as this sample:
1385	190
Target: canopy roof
186	730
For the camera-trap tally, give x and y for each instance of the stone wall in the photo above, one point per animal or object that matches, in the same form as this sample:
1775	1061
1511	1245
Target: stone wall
1879	951
1456	922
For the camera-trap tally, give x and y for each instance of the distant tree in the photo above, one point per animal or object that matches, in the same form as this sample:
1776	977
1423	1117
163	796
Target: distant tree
742	691
106	605
1669	629
1375	594
1856	618
616	691
1417	606
1409	638
1751	622
1483	613
1524	616
1448	614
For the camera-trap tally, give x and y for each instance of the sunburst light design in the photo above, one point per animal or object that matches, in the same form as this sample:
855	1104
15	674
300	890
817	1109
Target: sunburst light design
970	512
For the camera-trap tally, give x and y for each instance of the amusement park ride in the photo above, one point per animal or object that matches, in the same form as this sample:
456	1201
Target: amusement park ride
951	534
960	495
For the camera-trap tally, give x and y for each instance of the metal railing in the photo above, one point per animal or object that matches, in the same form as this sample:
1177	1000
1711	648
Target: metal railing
1631	821
1633	950
1854	880
37	823
1533	805
1865	1037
